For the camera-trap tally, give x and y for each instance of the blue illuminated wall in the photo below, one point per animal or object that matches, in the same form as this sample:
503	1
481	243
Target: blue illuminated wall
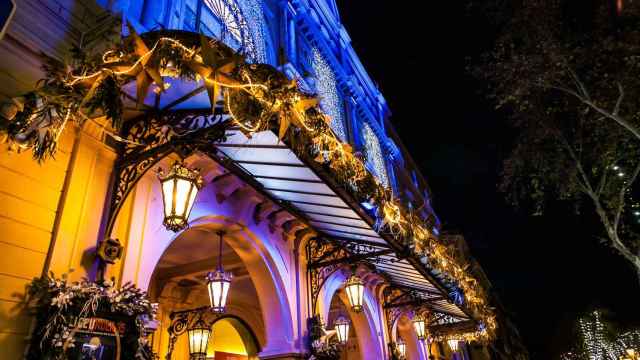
306	40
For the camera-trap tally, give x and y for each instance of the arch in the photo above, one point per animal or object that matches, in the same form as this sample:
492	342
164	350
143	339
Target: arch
403	325
247	335
366	324
262	252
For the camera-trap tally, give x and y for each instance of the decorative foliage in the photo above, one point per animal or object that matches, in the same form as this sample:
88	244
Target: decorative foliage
321	347
60	304
256	97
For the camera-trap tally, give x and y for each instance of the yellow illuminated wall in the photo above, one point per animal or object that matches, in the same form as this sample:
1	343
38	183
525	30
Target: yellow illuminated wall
225	339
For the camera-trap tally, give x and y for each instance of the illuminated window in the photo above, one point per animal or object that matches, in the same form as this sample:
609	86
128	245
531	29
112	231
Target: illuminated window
239	26
374	155
327	89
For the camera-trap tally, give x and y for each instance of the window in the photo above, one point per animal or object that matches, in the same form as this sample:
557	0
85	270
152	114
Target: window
374	155
327	88
226	20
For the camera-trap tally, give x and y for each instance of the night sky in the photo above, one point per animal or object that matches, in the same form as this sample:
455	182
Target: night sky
546	270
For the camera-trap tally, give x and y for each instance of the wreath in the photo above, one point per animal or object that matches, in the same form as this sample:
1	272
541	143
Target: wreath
64	309
321	347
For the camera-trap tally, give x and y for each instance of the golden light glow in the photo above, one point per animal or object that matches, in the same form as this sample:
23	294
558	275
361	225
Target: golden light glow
227	339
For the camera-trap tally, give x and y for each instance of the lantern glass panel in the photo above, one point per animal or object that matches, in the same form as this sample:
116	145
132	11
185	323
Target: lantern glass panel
167	196
183	194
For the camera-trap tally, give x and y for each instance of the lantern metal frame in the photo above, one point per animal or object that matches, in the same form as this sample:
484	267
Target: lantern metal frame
419	323
173	220
354	288
344	324
401	346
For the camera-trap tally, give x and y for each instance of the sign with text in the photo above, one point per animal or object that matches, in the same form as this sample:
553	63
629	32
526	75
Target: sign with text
97	339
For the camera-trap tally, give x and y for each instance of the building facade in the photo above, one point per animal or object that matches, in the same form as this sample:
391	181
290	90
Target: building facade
288	229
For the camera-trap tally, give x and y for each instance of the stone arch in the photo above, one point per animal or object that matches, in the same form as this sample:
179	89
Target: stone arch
403	326
263	252
246	334
368	324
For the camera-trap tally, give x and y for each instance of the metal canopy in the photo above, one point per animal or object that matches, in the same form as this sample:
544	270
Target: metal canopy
287	178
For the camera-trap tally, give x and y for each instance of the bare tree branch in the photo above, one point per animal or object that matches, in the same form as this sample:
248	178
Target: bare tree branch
623	189
580	84
585	99
616	109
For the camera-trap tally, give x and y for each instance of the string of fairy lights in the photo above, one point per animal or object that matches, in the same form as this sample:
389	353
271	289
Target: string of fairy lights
634	205
596	344
296	115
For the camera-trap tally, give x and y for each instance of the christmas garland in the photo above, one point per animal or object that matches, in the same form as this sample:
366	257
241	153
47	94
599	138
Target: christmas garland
256	96
60	306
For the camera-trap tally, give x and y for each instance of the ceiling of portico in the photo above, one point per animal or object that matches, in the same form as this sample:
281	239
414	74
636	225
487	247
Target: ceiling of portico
195	253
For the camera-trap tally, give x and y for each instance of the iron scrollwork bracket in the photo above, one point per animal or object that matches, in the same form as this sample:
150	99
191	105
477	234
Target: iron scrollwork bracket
147	139
181	321
321	250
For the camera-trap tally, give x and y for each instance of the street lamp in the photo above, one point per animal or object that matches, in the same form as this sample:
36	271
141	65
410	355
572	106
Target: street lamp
402	348
179	189
218	283
354	287
420	326
342	329
198	340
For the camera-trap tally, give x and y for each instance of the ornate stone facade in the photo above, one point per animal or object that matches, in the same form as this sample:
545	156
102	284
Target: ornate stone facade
54	214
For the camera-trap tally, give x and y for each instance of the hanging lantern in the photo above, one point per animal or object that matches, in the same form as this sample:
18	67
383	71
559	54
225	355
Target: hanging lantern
198	340
420	326
355	292
402	348
179	189
218	283
342	329
454	344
